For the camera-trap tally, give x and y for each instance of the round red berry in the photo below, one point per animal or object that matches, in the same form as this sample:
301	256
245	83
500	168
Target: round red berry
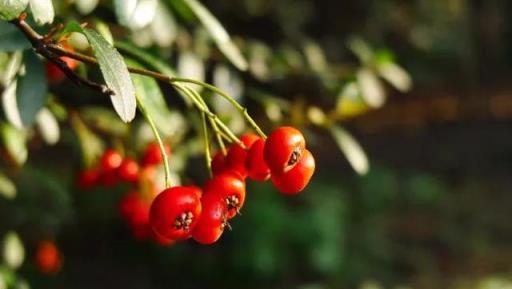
161	240
175	212
134	209
128	170
48	258
235	159
284	148
255	164
53	72
218	163
296	179
152	155
229	187
88	178
212	221
111	160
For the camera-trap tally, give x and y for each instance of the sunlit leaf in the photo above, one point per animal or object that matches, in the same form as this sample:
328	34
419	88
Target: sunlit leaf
104	120
48	126
164	28
86	6
350	102
371	88
11	39
190	65
12	68
135	14
90	144
218	33
361	49
31	91
10	106
230	83
7	187
315	56
13	250
10	9
104	31
116	75
395	75
352	150
14	141
42	10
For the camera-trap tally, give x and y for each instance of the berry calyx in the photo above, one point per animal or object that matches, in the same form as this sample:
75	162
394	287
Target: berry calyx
213	220
152	155
296	179
175	212
235	159
284	148
229	187
257	168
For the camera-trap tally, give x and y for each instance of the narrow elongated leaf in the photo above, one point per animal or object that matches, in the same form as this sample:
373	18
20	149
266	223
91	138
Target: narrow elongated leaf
12	68
43	11
11	39
352	150
149	93
86	6
10	106
395	75
7	187
14	142
218	33
31	92
48	126
13	250
371	88
10	9
116	75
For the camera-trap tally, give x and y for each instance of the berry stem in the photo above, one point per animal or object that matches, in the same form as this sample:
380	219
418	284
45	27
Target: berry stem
165	159
218	91
208	157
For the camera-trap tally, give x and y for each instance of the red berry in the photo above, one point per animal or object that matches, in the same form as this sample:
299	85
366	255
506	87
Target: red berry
218	163
257	168
235	159
134	209
129	170
48	258
152	155
161	240
109	178
142	232
229	187
88	178
212	221
296	179
53	72
283	149
111	160
175	212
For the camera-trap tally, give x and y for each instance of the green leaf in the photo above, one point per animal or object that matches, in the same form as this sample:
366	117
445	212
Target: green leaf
371	88
13	250
116	75
11	39
42	11
91	145
352	150
218	33
104	120
10	9
395	75
86	6
31	91
149	93
11	68
48	126
7	187
14	141
104	31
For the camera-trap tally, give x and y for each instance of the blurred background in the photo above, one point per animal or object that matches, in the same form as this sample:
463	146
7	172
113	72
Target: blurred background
405	104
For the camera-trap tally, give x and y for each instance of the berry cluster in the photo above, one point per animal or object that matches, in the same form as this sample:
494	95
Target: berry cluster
141	176
181	212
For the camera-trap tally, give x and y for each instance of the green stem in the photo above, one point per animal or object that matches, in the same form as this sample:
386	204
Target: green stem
215	89
208	157
151	123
